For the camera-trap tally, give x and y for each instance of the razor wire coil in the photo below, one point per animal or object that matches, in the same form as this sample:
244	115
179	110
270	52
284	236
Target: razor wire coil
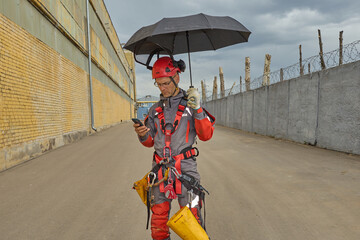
350	52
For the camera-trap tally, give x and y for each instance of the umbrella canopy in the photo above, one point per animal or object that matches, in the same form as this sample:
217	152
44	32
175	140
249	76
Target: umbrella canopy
187	34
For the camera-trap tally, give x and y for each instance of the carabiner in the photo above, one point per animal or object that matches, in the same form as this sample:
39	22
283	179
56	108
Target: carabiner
167	154
152	180
176	173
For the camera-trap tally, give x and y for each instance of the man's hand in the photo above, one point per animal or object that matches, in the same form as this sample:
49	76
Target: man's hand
141	130
193	98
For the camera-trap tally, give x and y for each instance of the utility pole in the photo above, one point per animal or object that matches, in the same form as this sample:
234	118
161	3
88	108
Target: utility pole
222	82
341	48
240	84
247	73
214	96
300	62
203	91
266	76
321	51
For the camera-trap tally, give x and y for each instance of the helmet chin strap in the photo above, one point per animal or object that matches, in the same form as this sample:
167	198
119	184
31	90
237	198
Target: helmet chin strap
176	88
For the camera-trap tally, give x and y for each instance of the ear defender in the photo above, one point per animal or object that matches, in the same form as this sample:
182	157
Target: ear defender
180	64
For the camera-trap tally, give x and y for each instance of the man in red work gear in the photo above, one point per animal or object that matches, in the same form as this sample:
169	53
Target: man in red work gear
171	127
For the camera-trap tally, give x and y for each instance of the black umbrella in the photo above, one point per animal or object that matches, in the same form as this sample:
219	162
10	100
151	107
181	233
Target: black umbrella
187	34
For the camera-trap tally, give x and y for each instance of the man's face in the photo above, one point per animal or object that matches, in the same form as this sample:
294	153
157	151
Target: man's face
166	86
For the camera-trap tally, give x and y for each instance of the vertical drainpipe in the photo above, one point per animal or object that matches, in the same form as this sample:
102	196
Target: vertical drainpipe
134	89
90	76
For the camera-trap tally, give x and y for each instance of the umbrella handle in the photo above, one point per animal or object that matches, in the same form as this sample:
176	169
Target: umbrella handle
188	47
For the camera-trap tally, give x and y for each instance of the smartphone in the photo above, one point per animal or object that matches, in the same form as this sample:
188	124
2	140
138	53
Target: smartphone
135	120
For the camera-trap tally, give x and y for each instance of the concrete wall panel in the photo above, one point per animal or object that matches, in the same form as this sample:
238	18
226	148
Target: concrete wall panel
278	110
223	111
230	116
247	105
303	108
260	110
238	110
339	108
218	112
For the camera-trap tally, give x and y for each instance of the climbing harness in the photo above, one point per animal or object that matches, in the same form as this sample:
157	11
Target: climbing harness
169	129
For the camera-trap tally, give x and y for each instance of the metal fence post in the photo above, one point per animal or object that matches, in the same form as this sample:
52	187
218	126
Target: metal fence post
341	48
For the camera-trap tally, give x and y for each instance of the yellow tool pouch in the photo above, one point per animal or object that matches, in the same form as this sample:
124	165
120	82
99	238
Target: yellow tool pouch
185	225
141	187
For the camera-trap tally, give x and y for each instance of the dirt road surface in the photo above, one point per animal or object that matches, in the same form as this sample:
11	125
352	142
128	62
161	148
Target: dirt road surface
260	189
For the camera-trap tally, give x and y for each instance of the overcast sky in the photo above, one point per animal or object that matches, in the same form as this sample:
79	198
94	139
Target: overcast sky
277	26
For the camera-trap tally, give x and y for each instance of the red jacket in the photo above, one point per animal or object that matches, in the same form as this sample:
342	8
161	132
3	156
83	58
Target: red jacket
193	123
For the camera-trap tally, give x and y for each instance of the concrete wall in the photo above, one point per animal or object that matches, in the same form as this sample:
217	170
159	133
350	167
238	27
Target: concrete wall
321	109
260	110
44	76
339	109
278	107
303	109
237	113
247	111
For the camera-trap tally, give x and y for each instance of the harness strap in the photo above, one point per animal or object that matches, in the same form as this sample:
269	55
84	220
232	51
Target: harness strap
168	132
192	152
179	113
148	206
186	153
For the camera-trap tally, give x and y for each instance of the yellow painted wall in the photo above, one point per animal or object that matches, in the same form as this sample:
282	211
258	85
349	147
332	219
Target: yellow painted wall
44	96
71	14
130	59
109	107
101	55
102	13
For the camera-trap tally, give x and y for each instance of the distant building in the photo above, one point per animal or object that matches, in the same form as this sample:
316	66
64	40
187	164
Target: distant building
143	105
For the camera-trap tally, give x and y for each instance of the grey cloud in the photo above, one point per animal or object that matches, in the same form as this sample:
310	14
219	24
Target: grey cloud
278	27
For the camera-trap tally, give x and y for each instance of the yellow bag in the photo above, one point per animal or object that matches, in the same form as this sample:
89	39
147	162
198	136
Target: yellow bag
185	225
141	187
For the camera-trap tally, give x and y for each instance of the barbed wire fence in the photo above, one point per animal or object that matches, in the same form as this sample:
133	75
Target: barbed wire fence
351	53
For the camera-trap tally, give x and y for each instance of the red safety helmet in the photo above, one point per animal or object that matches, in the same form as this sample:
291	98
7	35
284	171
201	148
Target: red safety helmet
164	67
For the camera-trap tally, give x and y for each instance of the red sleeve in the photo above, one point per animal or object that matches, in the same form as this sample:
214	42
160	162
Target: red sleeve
204	127
149	142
